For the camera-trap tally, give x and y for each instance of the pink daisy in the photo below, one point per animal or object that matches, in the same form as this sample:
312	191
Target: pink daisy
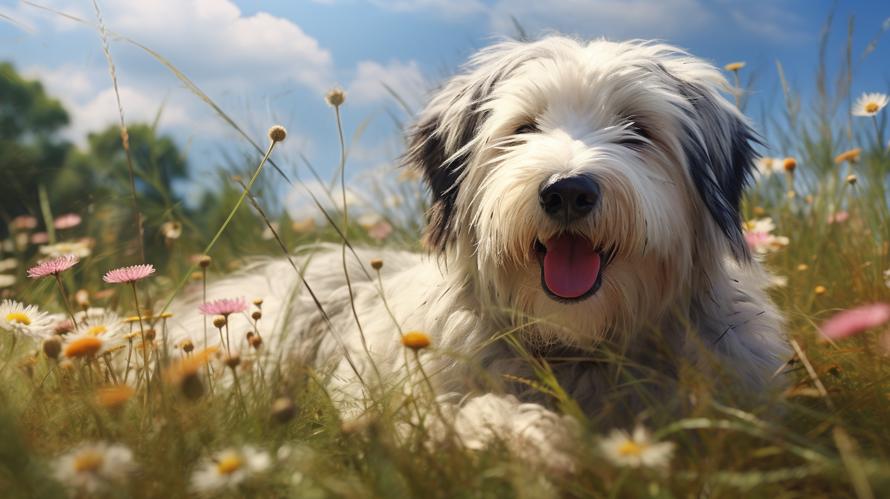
856	320
67	221
23	222
53	266
225	306
128	274
39	238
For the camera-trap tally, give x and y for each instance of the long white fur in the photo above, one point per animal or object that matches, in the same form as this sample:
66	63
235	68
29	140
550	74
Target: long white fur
673	271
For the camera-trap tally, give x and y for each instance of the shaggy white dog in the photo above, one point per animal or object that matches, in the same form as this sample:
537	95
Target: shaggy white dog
584	222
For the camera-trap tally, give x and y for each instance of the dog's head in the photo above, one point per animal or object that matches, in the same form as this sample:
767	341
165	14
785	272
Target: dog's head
584	184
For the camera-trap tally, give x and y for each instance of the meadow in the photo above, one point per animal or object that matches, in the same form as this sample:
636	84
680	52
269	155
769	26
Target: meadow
96	401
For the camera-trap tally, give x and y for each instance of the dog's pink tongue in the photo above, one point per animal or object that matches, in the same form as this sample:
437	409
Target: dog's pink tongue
571	266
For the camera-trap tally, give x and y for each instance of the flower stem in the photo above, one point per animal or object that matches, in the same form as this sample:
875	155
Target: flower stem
65	299
144	343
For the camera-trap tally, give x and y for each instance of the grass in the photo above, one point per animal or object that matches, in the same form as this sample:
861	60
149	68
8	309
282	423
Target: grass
826	436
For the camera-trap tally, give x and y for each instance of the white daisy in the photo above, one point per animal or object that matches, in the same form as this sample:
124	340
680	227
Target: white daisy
6	280
766	166
80	249
870	104
94	467
8	264
229	468
27	320
637	450
87	344
99	322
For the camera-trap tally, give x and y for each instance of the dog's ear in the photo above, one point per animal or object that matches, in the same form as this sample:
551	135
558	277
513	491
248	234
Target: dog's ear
445	137
719	146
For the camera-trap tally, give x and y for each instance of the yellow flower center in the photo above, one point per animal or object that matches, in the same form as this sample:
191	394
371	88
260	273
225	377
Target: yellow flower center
83	347
229	464
88	461
97	330
630	448
19	317
871	107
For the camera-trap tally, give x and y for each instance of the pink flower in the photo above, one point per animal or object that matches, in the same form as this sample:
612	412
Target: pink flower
225	306
53	266
23	222
67	221
128	274
839	217
380	230
39	238
856	320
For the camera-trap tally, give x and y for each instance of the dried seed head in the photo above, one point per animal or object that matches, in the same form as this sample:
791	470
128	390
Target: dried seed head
277	133
336	97
283	410
114	397
52	347
191	386
256	341
187	346
258	302
204	261
789	164
852	179
256	315
219	321
150	334
232	361
376	264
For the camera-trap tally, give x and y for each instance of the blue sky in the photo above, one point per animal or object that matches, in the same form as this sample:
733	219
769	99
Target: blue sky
271	61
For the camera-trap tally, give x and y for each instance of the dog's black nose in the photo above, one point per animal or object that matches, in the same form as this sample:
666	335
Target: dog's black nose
569	198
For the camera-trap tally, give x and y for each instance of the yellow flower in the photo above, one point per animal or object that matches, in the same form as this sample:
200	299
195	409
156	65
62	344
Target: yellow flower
851	155
83	346
415	340
820	290
113	397
734	66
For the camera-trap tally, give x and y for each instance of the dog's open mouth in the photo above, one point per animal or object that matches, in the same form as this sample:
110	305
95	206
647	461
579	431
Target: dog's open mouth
571	267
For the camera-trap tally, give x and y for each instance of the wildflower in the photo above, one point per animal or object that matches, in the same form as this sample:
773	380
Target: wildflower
27	320
852	156
6	280
789	164
838	217
336	97
187	345
23	222
39	238
304	226
81	249
802	267
852	179
171	230
380	231
777	281
416	340
202	261
856	320
820	290
53	267
258	302
766	166
277	133
185	372
734	66
83	346
99	322
94	467
637	450
229	468
67	221
114	397
870	104
128	274
887	278
759	236
224	306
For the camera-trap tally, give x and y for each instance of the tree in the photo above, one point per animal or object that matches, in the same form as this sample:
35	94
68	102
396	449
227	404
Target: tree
32	151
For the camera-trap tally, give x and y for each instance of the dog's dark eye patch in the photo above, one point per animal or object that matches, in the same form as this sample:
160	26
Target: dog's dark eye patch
527	128
635	135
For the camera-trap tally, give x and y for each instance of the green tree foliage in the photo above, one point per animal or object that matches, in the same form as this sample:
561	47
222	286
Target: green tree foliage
31	149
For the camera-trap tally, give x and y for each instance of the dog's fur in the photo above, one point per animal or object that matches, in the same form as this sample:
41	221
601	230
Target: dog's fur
671	157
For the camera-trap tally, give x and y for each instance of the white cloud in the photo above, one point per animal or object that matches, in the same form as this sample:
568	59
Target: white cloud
299	204
372	78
